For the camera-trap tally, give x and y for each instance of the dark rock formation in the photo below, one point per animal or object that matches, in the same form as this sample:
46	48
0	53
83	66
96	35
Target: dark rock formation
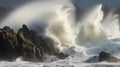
61	55
25	43
103	56
8	49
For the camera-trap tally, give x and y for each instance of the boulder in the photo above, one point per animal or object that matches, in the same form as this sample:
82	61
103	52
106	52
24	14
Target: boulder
104	56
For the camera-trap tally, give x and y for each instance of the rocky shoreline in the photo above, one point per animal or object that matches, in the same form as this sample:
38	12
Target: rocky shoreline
25	43
33	47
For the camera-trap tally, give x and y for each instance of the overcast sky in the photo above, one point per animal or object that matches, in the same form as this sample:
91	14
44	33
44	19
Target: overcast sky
82	3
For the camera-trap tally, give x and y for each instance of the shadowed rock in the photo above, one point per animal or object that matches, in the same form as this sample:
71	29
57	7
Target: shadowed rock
26	43
8	48
103	56
61	55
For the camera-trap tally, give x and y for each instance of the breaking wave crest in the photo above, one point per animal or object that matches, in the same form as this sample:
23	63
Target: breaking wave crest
57	21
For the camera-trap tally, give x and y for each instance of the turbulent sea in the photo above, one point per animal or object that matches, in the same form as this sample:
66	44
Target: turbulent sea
81	39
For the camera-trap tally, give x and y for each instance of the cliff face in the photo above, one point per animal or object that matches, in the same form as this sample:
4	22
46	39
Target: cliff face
25	43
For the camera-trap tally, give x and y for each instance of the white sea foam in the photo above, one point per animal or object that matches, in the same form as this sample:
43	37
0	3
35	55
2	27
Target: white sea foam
56	20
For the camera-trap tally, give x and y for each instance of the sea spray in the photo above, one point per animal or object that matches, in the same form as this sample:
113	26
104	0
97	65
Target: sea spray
30	12
110	23
91	31
57	22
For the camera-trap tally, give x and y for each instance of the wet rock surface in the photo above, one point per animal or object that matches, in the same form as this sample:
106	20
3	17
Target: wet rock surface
61	55
104	56
8	48
25	43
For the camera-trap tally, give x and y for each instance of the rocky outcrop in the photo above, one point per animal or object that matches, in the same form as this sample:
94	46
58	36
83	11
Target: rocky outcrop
104	56
8	49
25	43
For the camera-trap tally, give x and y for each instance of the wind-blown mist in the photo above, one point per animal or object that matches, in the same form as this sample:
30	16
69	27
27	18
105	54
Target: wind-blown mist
56	20
46	20
92	31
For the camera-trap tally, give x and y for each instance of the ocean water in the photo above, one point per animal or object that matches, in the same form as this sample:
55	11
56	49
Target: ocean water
80	39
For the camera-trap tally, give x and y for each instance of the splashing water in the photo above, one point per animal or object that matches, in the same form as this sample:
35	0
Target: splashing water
112	23
53	23
57	21
92	31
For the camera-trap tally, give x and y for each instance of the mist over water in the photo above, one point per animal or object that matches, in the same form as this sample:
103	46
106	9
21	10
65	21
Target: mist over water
56	20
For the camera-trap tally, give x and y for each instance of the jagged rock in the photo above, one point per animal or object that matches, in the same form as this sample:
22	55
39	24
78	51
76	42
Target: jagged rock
8	49
33	46
26	44
104	56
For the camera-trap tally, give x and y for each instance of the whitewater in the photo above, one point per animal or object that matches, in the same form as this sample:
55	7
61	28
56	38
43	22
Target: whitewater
80	39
